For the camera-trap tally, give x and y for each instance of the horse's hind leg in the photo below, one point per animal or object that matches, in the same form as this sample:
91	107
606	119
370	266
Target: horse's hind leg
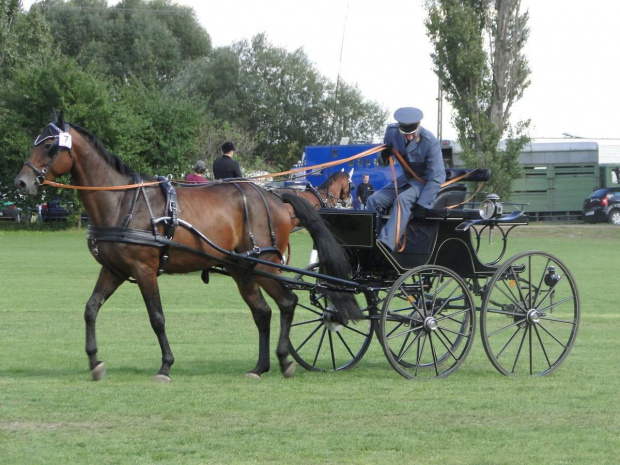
107	283
150	293
287	301
261	312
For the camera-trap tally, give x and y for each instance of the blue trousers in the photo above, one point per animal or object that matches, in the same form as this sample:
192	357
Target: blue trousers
385	198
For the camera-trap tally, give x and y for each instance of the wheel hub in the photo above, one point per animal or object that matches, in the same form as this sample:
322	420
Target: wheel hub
533	316
430	324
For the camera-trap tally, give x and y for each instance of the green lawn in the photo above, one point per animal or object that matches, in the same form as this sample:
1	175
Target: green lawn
50	411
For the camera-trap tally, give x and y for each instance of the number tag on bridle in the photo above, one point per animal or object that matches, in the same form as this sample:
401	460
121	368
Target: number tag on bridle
64	140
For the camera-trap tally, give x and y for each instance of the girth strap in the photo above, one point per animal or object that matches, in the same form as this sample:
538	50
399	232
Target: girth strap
170	223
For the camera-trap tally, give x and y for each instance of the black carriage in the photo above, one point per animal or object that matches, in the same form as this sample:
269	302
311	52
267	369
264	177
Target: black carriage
423	302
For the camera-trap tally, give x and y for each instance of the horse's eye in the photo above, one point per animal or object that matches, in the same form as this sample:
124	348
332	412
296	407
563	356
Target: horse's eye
47	147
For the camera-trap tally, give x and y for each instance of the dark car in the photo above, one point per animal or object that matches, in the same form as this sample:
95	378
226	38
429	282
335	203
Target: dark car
54	211
603	205
9	211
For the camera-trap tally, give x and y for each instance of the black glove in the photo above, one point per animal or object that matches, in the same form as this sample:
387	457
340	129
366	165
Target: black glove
386	153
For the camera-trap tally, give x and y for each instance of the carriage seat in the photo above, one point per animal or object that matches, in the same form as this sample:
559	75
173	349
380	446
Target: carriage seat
453	194
477	174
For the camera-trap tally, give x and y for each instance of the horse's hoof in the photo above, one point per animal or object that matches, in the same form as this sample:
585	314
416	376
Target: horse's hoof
251	375
98	372
159	378
290	371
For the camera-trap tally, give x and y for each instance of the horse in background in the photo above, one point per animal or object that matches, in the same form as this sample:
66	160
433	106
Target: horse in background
335	192
140	228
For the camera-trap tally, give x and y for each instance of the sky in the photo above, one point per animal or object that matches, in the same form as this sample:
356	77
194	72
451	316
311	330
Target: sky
382	47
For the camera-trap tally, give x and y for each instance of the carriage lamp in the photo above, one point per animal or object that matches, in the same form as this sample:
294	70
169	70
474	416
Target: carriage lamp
490	207
551	278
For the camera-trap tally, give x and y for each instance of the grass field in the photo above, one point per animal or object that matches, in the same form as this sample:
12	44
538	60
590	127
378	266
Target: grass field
50	411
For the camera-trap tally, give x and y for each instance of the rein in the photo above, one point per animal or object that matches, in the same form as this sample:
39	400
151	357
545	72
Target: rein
103	188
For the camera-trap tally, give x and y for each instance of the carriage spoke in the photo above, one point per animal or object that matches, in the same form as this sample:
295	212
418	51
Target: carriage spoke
449	349
318	349
499	354
314	331
410	330
510	295
404	350
542	346
434	354
550	291
420	351
540	283
557	304
514	366
517	323
302	323
402	347
310	309
518	286
355	330
552	336
331	349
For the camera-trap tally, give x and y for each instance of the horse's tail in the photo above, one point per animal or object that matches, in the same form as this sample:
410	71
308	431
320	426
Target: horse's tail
331	255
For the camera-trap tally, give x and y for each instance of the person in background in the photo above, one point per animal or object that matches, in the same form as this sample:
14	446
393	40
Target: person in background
422	153
364	190
225	167
199	168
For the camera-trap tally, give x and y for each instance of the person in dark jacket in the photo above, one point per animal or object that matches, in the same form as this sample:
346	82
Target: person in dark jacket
364	190
422	153
225	167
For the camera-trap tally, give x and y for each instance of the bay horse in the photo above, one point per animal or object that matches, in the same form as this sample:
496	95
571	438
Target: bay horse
334	192
140	228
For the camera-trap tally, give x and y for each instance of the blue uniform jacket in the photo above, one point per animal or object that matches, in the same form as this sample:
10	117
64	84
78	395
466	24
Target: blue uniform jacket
423	155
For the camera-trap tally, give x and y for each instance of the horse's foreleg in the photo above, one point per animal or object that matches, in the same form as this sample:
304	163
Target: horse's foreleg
261	312
107	283
287	301
150	293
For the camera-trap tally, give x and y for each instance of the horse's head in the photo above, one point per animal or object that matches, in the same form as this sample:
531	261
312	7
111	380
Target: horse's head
343	181
51	157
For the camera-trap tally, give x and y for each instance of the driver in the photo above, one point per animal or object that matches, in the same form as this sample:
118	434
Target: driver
422	153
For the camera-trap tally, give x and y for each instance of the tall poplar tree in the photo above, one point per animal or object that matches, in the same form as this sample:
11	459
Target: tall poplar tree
479	58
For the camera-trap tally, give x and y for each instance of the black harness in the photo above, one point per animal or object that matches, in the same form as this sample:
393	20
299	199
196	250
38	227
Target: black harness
171	222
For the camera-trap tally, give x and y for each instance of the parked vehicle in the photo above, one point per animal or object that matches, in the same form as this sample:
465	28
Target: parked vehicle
54	211
9	211
602	205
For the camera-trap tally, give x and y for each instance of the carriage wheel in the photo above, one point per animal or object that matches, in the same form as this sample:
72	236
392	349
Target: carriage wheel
427	323
317	343
530	315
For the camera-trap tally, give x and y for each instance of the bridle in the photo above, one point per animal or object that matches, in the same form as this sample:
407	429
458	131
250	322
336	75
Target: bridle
62	140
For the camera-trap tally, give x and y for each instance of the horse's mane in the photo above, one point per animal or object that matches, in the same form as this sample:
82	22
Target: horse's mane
334	177
110	158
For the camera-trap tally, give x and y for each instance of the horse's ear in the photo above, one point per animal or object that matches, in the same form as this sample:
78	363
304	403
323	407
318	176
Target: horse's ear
61	119
54	116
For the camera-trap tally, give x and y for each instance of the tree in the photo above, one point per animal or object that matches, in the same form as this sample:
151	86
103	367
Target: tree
136	39
289	104
479	59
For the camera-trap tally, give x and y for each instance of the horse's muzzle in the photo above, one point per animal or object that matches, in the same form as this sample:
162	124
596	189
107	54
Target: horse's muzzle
26	184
